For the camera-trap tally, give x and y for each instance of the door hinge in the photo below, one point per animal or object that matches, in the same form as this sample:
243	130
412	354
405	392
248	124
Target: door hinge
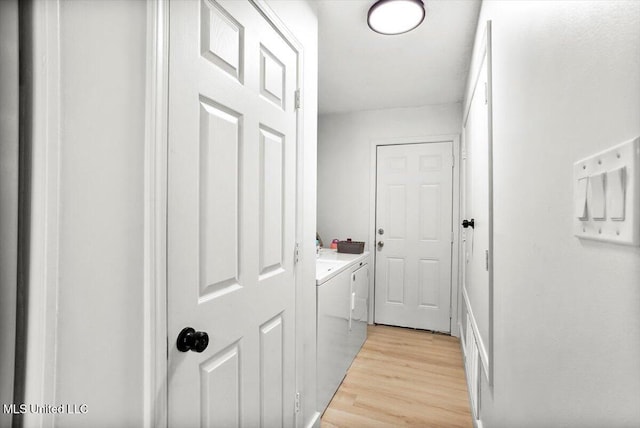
452	236
296	253
486	259
453	161
298	101
297	403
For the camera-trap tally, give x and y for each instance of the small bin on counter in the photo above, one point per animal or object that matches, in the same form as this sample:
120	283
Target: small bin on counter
350	247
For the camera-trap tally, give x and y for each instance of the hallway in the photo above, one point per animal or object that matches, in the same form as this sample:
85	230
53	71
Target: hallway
403	377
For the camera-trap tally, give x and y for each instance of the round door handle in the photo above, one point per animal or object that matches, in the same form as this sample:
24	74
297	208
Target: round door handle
468	223
191	340
380	244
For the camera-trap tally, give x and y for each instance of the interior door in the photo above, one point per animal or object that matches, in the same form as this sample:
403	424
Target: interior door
476	205
414	203
231	216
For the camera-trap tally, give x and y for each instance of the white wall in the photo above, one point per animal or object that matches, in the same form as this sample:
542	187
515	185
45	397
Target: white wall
99	343
344	144
566	84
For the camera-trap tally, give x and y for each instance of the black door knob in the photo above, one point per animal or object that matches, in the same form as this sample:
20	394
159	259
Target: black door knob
468	223
191	340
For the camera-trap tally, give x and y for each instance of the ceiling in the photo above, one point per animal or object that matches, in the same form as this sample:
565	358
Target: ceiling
364	70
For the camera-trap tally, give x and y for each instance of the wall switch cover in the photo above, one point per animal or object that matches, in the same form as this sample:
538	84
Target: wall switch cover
612	209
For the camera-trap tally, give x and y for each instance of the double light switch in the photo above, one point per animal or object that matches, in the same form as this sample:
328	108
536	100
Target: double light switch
607	195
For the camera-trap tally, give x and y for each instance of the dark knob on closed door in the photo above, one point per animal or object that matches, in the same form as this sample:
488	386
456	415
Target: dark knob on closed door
468	223
191	340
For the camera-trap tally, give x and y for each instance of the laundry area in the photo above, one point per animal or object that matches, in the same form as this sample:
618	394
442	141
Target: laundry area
320	213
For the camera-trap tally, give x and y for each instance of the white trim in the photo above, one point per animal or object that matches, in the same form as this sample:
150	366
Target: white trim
455	245
43	256
281	28
484	355
464	347
373	145
155	217
462	337
490	159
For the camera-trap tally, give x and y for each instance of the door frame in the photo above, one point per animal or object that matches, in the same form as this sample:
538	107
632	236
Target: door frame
455	246
155	316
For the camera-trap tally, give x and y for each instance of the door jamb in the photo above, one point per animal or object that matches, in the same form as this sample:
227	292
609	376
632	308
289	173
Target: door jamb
156	340
455	246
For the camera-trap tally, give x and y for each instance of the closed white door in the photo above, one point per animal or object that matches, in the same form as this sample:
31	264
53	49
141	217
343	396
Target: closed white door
231	216
414	235
476	206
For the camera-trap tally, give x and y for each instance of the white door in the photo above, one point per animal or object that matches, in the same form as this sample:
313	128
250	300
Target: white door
414	235
476	206
231	216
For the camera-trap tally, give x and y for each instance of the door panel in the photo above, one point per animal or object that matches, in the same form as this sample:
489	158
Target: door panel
429	212
218	181
429	275
414	202
220	383
395	280
231	215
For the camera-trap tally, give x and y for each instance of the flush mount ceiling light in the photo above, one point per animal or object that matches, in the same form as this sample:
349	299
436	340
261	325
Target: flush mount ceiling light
395	16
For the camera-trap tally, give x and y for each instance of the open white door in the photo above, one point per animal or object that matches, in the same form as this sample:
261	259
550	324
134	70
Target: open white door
414	203
231	216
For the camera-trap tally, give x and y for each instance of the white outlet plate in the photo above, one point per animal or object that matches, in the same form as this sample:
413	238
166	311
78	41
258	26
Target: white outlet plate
608	228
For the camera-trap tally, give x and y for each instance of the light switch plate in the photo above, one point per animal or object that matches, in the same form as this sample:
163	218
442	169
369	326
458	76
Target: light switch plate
607	168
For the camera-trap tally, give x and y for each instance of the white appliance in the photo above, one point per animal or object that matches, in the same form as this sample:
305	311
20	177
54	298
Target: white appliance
343	299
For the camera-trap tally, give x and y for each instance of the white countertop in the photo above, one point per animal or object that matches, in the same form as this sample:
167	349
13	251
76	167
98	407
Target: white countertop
331	263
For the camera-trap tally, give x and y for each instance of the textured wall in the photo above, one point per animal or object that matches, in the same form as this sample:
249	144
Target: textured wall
566	78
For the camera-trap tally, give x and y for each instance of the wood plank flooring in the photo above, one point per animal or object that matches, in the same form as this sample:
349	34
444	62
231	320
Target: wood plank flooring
402	377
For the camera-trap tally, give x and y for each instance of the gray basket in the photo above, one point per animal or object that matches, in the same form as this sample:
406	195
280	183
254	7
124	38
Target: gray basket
350	247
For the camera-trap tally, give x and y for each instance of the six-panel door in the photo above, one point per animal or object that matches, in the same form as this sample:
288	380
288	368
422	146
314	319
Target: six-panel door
413	222
231	215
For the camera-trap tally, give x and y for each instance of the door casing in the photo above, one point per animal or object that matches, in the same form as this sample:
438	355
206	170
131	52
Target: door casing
455	140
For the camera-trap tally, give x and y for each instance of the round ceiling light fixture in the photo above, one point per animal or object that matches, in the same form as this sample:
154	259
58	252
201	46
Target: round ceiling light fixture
395	16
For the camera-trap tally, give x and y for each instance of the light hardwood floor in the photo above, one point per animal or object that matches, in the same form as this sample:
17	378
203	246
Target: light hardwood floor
403	377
